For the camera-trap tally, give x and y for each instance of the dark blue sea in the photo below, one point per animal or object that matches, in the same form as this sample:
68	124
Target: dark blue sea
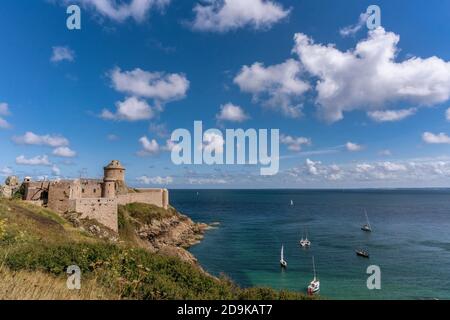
410	241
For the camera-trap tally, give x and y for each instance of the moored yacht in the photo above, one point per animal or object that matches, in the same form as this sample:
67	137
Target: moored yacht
283	262
366	227
362	253
305	243
314	286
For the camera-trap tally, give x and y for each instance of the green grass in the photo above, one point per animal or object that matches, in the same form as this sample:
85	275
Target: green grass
36	240
134	273
146	213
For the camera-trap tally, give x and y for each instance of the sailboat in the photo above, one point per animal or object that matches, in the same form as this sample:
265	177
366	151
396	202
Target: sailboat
292	203
305	243
314	286
362	253
282	261
367	226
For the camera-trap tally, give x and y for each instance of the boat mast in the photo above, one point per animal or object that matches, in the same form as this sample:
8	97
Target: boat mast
367	218
314	268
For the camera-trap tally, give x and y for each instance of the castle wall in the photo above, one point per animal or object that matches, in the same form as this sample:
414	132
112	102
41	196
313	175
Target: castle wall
61	192
91	188
100	209
35	191
94	199
157	197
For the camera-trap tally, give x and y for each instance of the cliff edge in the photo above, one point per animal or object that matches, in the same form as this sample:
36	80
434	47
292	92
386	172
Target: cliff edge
159	230
146	260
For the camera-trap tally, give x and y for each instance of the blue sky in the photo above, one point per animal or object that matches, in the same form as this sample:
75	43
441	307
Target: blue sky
375	122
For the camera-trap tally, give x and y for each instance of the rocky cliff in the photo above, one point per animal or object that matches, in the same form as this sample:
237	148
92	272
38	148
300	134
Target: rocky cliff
162	231
37	246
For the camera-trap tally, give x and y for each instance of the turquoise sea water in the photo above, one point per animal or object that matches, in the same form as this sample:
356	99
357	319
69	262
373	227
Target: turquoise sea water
410	242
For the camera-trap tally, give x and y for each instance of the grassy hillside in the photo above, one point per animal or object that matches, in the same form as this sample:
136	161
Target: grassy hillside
37	245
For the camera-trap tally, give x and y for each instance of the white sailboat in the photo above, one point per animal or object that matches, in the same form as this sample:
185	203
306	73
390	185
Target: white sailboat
305	243
282	261
292	203
314	286
367	226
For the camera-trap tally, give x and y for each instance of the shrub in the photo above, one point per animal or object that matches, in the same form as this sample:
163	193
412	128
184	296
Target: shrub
146	213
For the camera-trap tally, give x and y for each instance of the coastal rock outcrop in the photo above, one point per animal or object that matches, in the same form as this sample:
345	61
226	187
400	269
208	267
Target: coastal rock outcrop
163	231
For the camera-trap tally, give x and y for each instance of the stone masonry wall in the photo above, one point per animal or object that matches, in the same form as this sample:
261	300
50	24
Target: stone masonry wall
100	209
157	197
60	193
91	188
34	190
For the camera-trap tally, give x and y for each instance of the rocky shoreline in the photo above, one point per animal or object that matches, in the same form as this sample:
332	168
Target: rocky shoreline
170	235
173	236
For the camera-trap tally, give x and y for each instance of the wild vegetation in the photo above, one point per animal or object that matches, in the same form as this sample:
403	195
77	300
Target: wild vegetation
37	245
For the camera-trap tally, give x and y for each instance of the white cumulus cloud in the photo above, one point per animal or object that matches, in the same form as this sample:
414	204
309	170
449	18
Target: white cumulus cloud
30	138
391	115
64	152
149	146
278	86
353	29
60	54
416	170
140	85
122	10
35	161
226	15
432	138
369	77
295	143
232	113
151	85
353	147
56	171
131	109
313	167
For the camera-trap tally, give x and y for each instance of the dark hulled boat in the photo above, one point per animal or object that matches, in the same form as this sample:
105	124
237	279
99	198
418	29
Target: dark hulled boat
362	253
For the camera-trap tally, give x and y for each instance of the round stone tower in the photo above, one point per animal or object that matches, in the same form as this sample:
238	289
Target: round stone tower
114	176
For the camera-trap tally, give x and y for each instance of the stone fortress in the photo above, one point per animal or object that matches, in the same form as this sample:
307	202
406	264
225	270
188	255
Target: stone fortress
91	198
